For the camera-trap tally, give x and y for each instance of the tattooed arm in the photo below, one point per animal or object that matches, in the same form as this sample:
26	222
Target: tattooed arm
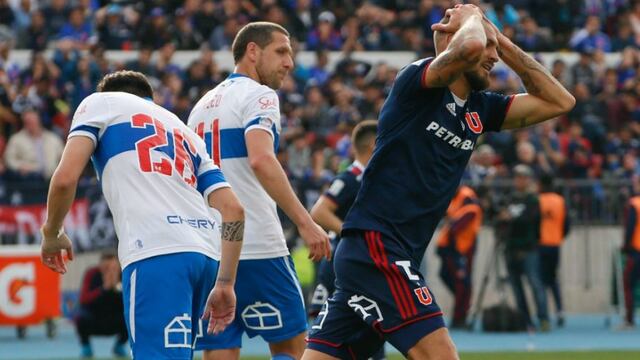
464	24
225	201
545	99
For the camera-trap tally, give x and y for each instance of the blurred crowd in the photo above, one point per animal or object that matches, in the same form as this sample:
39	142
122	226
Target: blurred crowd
599	139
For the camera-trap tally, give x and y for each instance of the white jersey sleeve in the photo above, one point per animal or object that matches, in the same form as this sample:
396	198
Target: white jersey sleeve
92	117
262	111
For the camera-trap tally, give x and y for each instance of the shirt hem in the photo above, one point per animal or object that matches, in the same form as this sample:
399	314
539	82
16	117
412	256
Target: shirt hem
167	250
264	255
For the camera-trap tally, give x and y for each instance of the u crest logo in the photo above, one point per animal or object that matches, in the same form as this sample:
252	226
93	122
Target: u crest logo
424	296
473	120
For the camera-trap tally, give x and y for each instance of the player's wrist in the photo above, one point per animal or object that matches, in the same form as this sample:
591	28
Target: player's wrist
49	231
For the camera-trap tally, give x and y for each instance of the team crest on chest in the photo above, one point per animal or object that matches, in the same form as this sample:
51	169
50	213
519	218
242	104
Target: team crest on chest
474	122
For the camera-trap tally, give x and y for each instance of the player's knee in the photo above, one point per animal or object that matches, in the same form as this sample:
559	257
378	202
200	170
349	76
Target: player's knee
435	346
293	348
230	354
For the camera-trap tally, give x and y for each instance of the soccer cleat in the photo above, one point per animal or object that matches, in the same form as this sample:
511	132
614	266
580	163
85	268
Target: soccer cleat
545	326
86	352
626	326
119	350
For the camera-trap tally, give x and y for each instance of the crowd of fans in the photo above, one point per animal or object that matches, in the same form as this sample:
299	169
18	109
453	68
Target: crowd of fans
599	139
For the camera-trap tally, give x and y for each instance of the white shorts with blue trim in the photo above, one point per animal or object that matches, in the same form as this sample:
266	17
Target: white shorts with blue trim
164	297
269	303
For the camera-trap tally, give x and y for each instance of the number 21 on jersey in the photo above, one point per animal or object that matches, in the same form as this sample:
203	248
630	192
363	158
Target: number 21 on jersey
178	145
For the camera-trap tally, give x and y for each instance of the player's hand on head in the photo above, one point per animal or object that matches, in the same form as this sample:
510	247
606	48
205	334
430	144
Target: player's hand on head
455	17
220	309
53	248
317	241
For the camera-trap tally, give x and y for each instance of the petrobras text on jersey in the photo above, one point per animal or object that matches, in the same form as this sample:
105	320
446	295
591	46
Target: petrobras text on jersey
449	137
194	223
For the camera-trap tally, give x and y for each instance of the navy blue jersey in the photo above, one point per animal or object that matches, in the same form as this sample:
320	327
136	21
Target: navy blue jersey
344	188
424	143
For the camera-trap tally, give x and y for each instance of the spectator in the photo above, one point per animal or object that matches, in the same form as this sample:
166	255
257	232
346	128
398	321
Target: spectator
113	31
77	28
36	35
155	32
184	35
222	36
101	306
590	37
634	19
577	151
502	14
205	20
143	63
33	152
531	38
583	72
624	37
324	36
7	16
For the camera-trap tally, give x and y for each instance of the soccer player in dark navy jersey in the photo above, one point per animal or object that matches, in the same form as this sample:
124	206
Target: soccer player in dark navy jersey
428	127
332	206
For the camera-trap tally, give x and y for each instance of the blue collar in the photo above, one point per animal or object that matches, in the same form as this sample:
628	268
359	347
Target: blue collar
236	75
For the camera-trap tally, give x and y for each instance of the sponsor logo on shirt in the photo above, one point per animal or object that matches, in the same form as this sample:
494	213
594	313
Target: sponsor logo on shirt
449	137
194	223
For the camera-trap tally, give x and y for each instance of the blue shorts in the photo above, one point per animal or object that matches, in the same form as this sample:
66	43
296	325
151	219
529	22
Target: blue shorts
269	303
380	296
164	297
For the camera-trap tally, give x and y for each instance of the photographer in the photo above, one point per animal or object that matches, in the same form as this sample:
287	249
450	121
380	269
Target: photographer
101	306
522	219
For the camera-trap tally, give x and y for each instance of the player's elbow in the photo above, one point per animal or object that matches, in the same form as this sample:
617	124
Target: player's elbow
232	211
259	163
567	103
63	181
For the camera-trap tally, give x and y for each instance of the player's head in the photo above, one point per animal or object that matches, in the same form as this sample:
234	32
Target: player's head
265	47
478	76
363	139
522	175
131	82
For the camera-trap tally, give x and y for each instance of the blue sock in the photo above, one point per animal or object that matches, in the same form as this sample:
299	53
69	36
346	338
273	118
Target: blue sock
282	356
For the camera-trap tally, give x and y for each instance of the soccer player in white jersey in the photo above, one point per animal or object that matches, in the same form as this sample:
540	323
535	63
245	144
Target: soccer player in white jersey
154	173
240	123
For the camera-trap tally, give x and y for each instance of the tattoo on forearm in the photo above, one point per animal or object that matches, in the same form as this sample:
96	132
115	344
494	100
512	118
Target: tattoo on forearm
459	53
531	67
233	231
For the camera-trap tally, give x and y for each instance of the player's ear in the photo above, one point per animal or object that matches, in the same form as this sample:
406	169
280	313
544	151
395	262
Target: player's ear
252	51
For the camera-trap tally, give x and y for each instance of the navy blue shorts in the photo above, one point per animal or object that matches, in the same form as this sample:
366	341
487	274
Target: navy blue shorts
380	296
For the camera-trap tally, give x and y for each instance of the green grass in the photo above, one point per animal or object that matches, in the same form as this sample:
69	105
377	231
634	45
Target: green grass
568	355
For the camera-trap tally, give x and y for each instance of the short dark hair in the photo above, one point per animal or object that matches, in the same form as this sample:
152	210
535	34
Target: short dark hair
128	81
363	134
259	32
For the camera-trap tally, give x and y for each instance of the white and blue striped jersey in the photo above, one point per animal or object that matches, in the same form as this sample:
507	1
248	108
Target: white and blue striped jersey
222	117
155	175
